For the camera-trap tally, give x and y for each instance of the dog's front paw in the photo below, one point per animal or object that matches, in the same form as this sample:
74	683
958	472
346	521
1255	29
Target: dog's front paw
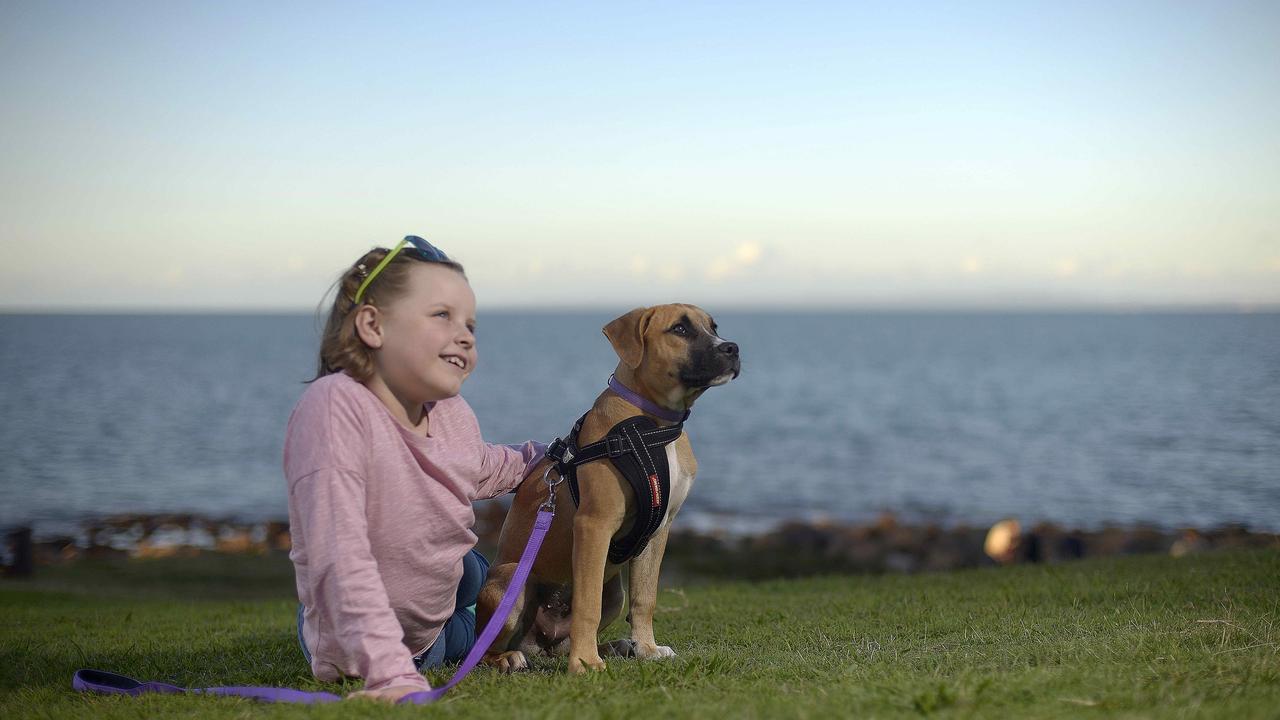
507	662
578	665
653	652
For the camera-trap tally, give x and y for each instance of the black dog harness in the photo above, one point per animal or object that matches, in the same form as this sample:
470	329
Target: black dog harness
637	447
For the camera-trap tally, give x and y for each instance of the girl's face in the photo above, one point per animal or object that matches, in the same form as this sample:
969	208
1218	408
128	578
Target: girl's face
428	336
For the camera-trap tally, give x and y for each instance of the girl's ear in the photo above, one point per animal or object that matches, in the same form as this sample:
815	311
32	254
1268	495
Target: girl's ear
369	326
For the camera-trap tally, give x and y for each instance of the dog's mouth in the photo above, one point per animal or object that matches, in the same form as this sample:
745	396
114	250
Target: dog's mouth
709	366
701	380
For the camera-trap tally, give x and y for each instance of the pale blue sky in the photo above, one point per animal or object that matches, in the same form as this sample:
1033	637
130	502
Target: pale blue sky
173	155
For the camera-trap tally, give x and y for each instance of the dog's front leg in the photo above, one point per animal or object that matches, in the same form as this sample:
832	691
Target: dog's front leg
590	551
500	655
644	598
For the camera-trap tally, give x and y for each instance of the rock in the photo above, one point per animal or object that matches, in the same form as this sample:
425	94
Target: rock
21	553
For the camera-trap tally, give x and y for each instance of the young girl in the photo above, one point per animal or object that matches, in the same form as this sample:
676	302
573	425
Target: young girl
383	459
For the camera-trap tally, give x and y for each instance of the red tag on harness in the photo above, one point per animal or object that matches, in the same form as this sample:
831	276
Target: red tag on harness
656	489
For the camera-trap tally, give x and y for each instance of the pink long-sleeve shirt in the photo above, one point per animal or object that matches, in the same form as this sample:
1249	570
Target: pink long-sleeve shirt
381	518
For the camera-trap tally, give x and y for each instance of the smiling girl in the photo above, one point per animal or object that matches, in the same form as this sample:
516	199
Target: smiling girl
383	459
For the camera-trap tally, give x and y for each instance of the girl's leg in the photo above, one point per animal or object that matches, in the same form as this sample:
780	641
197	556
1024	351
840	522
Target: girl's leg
302	643
459	633
474	569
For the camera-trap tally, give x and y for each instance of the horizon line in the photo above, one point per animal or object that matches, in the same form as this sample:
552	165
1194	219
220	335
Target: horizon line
1221	308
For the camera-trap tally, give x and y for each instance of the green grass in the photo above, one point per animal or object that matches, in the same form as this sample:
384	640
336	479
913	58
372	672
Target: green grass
1127	637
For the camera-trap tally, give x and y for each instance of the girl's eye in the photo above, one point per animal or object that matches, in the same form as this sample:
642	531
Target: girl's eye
442	313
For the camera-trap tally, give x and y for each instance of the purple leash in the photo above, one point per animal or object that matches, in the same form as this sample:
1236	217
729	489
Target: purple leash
100	681
109	683
540	527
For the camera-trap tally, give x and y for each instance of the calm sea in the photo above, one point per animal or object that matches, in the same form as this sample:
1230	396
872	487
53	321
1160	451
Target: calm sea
1080	419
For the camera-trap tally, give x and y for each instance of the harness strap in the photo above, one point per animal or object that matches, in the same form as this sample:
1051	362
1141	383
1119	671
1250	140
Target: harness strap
636	446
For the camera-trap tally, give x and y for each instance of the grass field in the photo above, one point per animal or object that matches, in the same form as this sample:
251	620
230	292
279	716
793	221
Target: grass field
1128	637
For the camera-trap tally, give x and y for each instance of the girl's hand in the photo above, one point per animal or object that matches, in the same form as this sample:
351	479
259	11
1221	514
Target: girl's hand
387	694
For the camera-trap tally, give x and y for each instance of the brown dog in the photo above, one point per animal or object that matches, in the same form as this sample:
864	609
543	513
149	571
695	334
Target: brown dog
669	355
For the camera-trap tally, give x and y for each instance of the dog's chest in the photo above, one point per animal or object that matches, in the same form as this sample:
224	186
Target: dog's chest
681	483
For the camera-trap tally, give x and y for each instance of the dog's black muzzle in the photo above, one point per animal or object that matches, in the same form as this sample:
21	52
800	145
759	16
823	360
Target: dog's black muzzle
711	362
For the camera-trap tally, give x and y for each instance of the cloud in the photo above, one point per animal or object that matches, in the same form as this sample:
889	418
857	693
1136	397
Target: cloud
1066	267
665	270
748	253
1194	269
672	273
173	276
719	268
744	256
972	265
1116	270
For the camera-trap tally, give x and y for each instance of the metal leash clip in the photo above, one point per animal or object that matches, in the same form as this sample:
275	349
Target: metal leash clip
560	455
550	504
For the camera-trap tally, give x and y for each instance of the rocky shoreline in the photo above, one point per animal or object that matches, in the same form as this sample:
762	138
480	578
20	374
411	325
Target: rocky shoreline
792	549
797	549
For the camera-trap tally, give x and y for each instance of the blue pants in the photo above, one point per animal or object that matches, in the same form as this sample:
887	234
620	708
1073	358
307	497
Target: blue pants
459	633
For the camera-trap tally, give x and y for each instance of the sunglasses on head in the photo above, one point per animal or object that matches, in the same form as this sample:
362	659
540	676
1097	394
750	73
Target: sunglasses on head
419	249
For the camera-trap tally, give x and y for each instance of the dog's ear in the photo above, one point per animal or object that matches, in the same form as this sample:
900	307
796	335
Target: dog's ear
626	334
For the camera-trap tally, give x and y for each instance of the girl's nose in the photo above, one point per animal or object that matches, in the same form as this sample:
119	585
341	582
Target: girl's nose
466	338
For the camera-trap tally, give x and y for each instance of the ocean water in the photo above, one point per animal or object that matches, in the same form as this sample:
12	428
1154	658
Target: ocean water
1081	419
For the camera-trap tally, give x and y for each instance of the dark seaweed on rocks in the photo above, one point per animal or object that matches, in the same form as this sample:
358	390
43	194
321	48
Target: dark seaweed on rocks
792	549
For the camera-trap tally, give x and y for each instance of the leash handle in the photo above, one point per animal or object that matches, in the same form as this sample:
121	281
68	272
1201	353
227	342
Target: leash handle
100	681
109	683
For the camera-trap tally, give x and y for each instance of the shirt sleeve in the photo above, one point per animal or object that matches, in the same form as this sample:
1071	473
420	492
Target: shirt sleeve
348	592
502	467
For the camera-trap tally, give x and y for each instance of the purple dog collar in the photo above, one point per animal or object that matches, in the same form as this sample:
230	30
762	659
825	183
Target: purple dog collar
650	407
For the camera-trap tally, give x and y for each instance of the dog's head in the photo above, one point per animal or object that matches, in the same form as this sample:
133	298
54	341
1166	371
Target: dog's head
672	353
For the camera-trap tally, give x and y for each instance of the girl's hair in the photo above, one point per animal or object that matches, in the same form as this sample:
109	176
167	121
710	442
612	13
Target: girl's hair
340	347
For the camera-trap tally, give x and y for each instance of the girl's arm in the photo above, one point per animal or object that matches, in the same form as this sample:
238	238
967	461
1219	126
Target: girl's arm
347	590
502	467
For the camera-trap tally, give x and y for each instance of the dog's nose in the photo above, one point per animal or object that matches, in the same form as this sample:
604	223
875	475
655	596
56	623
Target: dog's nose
729	348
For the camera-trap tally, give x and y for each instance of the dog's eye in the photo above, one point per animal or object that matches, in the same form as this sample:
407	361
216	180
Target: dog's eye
680	329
